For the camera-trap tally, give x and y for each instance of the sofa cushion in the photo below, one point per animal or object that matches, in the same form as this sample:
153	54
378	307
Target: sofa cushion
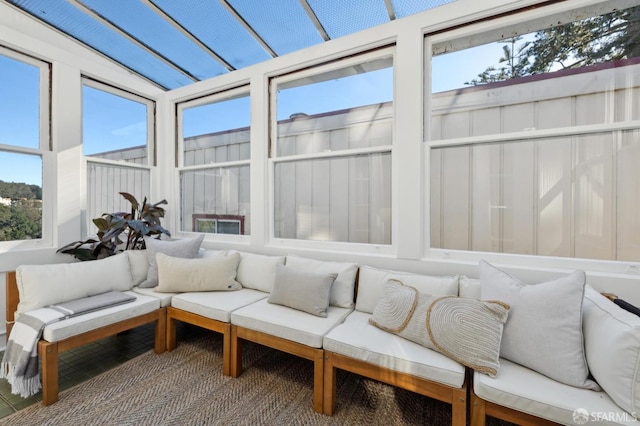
187	248
544	328
371	282
305	291
342	291
288	323
466	330
358	339
525	390
164	298
217	305
93	320
139	264
217	273
470	287
612	342
43	285
258	271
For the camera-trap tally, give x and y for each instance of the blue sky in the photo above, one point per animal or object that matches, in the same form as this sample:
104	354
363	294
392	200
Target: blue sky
113	123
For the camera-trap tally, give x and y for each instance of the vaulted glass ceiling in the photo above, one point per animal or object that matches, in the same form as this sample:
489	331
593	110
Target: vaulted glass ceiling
173	43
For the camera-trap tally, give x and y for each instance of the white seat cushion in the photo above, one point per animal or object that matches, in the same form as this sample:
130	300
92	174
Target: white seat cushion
358	339
165	298
525	390
288	323
217	305
92	320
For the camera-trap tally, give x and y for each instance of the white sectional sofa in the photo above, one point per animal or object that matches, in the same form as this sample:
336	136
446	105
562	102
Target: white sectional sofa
263	307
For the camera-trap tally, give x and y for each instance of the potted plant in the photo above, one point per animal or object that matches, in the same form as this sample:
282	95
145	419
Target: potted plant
120	231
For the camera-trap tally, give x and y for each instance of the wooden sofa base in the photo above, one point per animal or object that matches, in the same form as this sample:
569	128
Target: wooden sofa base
175	314
49	351
313	354
457	397
480	409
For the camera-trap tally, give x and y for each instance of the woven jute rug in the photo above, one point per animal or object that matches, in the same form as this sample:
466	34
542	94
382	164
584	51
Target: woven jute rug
186	387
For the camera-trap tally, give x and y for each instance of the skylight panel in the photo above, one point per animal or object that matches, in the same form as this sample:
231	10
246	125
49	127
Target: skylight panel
342	17
404	8
282	24
144	24
212	24
71	20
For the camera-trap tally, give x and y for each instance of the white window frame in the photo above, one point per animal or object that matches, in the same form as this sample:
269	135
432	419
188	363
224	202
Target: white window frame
44	151
228	94
151	143
475	34
273	159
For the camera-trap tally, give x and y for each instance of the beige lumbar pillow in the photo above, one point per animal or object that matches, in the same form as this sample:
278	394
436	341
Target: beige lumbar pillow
466	330
216	273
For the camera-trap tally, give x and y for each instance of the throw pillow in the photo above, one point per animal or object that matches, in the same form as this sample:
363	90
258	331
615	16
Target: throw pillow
258	271
43	285
187	248
177	275
612	342
342	291
371	283
466	330
544	330
305	291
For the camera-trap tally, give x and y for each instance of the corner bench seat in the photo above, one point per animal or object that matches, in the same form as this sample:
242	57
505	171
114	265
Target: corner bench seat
361	348
74	326
288	323
164	298
210	310
529	392
287	330
358	339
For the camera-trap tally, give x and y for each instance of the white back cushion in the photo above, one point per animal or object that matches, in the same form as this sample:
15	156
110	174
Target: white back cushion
258	271
371	284
612	345
139	265
44	285
343	287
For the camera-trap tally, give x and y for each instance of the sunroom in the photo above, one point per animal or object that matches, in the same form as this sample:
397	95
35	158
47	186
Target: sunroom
418	136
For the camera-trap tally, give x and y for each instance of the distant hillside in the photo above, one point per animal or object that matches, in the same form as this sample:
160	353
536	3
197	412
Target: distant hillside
19	191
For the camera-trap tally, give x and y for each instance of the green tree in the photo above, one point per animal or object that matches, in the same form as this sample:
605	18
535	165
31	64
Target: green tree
15	225
594	40
514	63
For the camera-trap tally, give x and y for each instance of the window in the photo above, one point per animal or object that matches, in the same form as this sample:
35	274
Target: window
214	172
218	224
331	151
24	144
534	138
117	141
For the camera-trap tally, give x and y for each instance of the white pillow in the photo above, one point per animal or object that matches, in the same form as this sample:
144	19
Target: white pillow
612	344
342	291
258	271
139	265
470	287
187	249
371	282
302	290
217	273
544	328
44	285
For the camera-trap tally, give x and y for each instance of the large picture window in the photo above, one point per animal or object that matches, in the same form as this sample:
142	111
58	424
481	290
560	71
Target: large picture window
24	142
214	172
533	141
331	151
118	133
